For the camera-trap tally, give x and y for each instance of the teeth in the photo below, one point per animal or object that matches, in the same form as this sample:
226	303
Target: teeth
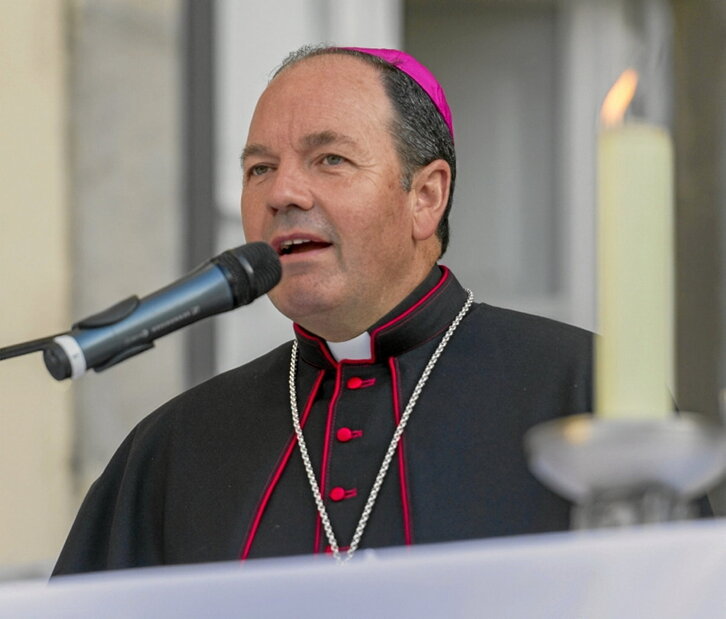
286	246
294	242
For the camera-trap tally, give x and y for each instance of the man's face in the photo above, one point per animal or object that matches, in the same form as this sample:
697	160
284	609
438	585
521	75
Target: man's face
322	185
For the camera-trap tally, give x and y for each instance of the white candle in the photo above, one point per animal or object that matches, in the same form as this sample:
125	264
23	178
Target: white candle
634	353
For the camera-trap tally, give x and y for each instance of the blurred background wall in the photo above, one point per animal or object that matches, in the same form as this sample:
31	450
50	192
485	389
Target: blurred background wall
122	125
35	281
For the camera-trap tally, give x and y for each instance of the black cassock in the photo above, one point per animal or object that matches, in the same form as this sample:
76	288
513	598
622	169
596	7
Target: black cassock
215	474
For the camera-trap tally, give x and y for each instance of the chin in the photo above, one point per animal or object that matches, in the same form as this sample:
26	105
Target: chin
300	304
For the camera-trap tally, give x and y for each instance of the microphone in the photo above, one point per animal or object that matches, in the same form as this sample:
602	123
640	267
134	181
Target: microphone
236	277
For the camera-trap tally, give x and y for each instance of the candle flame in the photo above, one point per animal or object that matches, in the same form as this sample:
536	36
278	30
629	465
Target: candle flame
618	98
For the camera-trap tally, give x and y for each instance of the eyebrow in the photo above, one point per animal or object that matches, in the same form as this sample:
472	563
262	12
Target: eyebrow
323	138
253	150
310	141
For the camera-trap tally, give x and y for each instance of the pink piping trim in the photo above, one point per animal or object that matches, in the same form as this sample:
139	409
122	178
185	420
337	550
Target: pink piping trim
326	452
407	528
328	430
278	472
326	351
319	342
356	361
413	308
329	550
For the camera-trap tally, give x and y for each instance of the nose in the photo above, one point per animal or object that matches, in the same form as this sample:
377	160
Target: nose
290	188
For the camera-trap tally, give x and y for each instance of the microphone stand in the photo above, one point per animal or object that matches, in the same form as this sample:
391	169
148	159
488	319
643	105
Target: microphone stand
26	348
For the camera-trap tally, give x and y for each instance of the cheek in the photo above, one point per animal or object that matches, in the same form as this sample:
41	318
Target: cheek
251	222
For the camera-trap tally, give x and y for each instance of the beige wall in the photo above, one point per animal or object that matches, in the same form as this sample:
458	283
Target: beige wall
34	280
90	212
126	99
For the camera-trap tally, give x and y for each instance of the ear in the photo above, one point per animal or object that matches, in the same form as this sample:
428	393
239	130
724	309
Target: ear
430	189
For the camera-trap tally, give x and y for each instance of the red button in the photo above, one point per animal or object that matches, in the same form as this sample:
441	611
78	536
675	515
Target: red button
337	494
344	435
354	383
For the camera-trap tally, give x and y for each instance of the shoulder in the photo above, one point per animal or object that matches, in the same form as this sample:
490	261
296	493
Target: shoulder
513	334
515	325
543	364
247	390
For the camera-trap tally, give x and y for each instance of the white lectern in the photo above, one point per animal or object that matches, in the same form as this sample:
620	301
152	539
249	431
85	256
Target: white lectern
667	571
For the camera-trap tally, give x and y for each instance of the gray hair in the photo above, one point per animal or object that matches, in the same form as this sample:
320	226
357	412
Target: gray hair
418	129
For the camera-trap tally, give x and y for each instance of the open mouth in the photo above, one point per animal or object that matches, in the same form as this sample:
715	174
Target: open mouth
298	246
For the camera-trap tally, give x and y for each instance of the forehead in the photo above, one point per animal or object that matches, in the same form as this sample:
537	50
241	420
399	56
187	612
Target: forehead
323	93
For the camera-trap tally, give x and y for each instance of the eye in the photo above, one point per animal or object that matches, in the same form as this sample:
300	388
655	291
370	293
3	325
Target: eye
333	160
258	170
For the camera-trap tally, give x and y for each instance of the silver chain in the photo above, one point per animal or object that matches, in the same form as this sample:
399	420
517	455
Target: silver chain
327	526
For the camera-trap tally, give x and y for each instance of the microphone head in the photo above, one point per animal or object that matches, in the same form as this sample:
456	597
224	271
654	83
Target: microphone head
252	270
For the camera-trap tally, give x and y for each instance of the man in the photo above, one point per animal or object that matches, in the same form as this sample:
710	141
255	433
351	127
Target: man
348	173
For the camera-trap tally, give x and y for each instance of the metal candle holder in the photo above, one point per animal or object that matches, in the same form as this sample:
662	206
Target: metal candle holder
621	472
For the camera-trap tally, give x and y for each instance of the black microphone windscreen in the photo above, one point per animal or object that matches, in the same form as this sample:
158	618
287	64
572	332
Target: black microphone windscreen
251	270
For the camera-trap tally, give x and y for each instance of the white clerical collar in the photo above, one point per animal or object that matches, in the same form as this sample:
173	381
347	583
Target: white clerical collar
357	348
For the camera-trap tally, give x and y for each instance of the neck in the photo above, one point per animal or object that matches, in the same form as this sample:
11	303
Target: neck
345	323
425	312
